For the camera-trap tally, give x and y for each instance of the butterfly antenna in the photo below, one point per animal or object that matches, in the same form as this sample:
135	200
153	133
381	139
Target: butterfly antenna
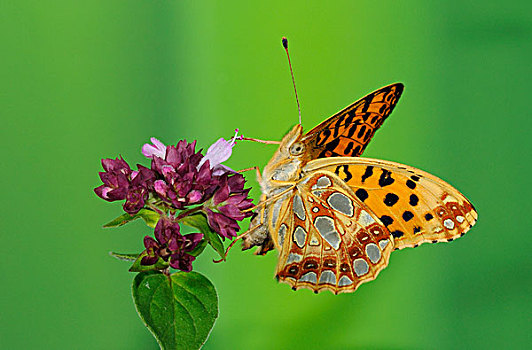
285	45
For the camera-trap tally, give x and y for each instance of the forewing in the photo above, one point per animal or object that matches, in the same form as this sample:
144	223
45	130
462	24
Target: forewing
348	132
415	206
330	241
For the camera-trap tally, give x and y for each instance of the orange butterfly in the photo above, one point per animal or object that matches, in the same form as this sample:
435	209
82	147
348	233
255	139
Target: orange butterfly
334	217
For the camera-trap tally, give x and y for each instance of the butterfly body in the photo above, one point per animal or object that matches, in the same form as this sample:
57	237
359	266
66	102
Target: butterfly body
335	217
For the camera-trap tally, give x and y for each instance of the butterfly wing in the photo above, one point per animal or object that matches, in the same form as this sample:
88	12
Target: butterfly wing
348	132
415	206
328	240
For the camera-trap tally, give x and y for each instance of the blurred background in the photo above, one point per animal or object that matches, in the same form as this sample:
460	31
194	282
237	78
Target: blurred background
81	81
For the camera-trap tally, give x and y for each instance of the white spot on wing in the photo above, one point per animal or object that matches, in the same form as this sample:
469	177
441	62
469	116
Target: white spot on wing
281	233
327	277
373	252
365	219
299	210
300	236
344	281
314	240
309	277
341	203
326	229
383	243
361	267
293	258
460	219
323	182
448	223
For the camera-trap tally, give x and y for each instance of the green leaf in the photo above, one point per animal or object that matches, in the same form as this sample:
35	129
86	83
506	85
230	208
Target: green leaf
214	240
119	221
199	221
199	248
124	256
150	217
138	267
179	310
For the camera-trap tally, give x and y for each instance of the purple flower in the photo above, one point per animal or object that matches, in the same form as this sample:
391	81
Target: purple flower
219	152
120	182
158	149
180	246
171	246
135	199
228	205
115	180
181	180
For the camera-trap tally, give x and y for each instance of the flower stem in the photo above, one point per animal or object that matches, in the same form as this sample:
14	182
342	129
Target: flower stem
188	212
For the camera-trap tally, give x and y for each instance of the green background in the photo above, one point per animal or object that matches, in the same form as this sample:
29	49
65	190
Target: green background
86	80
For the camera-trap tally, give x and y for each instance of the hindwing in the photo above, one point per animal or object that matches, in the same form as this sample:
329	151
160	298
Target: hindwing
327	238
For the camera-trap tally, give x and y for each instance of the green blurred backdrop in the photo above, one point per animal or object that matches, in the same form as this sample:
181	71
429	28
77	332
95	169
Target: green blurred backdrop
86	80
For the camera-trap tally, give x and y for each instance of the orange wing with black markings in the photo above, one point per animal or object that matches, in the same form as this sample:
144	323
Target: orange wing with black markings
415	206
348	132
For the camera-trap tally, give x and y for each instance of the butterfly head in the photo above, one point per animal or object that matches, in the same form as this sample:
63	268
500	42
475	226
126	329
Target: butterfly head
285	164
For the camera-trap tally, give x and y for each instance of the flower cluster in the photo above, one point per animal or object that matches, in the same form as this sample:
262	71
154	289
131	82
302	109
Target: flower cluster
120	182
170	245
228	205
180	181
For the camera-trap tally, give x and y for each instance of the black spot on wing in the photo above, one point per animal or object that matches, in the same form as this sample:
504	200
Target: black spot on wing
352	129
323	136
349	147
345	169
386	220
362	194
367	173
390	199
397	233
361	131
429	217
407	216
386	178
331	146
410	184
368	134
349	118
337	126
414	200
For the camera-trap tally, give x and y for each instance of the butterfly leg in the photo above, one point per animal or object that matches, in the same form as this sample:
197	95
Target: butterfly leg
257	170
237	238
263	202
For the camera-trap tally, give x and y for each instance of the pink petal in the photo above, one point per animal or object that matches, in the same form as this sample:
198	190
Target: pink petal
158	149
219	152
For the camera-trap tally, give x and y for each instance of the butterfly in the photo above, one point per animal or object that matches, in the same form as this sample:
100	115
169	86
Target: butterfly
335	217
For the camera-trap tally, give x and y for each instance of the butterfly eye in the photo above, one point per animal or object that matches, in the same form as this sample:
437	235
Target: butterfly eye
297	148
